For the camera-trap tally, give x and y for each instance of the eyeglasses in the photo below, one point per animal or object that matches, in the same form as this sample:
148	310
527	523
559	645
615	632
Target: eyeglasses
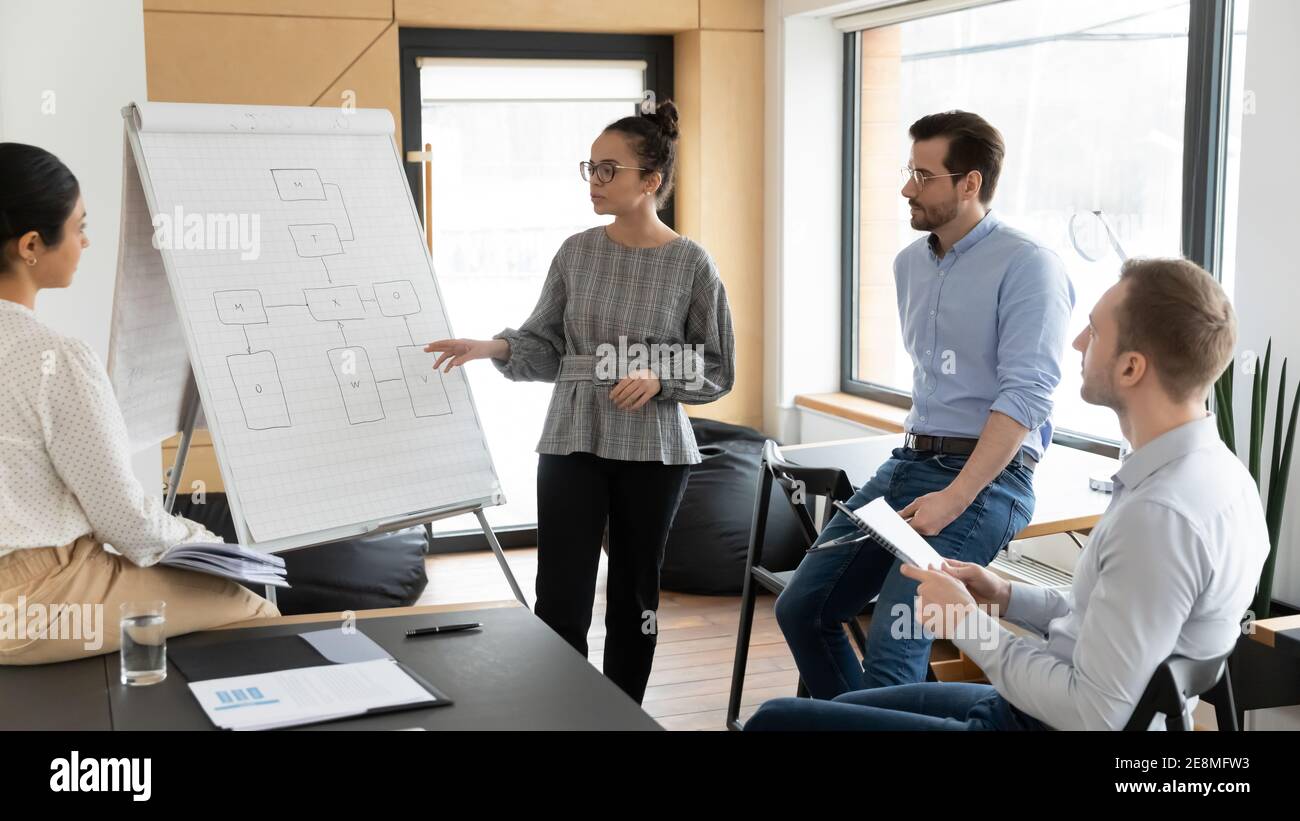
919	177
603	171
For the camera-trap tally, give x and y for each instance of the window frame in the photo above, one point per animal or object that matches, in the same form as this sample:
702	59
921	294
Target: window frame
1205	122
413	43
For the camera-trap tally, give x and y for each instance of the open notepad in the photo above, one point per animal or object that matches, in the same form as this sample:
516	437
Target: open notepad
230	561
879	521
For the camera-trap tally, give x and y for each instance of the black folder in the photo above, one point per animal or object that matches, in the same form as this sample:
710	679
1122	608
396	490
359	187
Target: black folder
247	657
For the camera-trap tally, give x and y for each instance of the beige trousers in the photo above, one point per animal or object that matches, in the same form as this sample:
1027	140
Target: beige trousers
63	602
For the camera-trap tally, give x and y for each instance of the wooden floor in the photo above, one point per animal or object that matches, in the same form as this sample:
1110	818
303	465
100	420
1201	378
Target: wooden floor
691	677
697	641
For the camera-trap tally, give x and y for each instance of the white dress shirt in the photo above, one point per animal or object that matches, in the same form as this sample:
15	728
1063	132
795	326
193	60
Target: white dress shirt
65	461
1170	569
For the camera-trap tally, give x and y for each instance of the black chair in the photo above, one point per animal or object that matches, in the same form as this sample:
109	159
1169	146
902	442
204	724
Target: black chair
1175	681
802	486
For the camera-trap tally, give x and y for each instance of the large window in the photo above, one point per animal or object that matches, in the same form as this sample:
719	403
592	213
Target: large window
509	118
1091	98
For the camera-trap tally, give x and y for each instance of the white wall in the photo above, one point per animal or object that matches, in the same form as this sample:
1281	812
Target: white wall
804	72
1267	274
89	55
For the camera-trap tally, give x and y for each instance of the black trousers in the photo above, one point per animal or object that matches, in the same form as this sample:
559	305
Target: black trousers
576	495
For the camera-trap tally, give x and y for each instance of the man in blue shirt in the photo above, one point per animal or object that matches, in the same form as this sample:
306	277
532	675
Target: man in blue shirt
984	311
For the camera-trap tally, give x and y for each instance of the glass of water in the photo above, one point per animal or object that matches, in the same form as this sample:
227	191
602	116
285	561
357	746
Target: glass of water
144	642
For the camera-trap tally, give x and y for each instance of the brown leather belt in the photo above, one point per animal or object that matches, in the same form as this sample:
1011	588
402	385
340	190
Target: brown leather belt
957	446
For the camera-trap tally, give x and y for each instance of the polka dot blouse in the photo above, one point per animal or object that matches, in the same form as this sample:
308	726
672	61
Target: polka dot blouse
65	460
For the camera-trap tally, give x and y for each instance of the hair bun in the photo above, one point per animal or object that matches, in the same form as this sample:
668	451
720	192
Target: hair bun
665	115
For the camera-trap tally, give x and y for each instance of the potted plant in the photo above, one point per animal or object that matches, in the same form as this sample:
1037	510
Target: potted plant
1279	466
1260	677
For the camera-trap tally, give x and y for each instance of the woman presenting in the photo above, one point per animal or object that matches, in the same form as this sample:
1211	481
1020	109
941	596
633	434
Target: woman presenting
632	322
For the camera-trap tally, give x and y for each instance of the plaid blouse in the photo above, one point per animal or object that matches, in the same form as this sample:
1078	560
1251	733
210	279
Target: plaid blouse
601	298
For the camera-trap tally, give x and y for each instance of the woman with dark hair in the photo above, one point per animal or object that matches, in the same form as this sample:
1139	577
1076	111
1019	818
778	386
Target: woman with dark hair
617	444
66	484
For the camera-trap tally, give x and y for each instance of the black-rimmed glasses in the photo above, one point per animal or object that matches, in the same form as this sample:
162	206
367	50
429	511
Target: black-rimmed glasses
603	171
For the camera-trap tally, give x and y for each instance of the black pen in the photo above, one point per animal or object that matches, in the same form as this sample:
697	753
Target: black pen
444	628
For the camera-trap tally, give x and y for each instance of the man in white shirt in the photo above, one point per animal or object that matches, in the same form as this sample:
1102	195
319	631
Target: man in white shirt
1170	569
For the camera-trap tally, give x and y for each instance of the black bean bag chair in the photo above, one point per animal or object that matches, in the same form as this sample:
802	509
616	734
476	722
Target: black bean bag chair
362	573
709	540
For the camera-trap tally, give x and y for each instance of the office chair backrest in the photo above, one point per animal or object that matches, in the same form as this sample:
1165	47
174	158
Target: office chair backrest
1178	679
803	485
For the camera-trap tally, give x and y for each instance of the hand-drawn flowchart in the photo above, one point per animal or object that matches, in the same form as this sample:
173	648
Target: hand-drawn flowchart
256	374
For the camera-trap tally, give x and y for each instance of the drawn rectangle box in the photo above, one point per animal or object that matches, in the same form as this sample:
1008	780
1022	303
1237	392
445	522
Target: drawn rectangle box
260	391
298	184
340	302
423	383
319	239
397	298
240	307
356	384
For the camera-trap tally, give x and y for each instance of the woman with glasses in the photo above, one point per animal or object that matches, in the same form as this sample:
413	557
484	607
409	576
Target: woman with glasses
632	323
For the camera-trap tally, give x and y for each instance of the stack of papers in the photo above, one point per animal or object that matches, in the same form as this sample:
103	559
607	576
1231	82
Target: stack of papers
231	561
308	695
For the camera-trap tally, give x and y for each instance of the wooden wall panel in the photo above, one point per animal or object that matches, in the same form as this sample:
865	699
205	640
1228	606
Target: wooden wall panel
373	9
221	58
374	78
631	16
200	464
687	96
739	15
718	77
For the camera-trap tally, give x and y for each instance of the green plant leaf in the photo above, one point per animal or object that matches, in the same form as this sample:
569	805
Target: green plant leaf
1263	603
1264	382
1270	497
1223	407
1275	462
1256	422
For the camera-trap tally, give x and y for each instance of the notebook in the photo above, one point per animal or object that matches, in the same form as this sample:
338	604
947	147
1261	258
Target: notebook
879	521
230	561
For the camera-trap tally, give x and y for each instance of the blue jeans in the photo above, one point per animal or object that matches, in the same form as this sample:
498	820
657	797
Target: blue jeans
924	706
833	584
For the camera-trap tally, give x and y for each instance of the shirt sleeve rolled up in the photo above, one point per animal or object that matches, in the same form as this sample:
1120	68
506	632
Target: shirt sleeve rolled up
1034	309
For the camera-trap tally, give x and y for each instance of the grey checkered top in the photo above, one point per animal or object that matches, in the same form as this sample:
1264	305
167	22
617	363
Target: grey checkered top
601	298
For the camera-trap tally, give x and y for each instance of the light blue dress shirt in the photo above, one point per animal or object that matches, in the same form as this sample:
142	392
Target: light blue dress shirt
986	328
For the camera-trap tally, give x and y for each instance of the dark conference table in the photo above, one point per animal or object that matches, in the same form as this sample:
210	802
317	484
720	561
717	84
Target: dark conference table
513	674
